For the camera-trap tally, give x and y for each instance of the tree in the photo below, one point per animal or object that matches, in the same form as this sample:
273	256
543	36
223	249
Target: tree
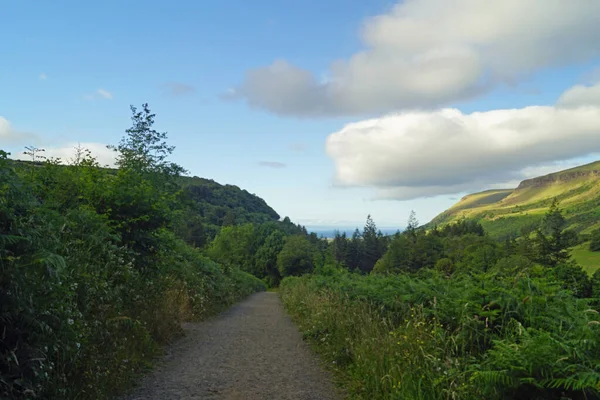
144	149
355	251
143	196
398	256
34	153
549	247
297	257
412	225
339	248
266	258
372	249
234	247
595	243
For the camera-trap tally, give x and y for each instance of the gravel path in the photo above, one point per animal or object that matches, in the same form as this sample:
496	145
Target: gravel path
251	352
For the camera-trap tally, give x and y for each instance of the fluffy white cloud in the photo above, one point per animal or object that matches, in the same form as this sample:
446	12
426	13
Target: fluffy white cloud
66	153
428	53
416	154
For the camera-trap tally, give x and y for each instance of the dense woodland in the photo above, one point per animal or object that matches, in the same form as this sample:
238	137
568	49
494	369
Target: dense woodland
99	267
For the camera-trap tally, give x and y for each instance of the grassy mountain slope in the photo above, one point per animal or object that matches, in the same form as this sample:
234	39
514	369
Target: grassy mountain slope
504	212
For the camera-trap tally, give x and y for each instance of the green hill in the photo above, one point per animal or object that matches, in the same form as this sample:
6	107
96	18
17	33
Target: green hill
503	213
218	205
211	205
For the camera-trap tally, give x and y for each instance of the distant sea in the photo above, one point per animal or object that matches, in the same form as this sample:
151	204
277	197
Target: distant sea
329	231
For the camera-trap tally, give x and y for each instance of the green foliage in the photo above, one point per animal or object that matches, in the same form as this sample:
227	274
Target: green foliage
93	277
492	336
296	257
453	314
362	251
266	258
233	246
373	246
595	240
216	205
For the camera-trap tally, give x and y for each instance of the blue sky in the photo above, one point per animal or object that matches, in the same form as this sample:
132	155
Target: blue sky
70	70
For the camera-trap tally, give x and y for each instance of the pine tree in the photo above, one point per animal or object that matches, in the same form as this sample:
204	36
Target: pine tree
371	246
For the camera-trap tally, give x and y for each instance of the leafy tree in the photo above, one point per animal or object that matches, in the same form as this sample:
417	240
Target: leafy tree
234	246
296	257
144	191
266	258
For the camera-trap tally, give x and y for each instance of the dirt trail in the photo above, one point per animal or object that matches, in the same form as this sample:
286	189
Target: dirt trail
251	352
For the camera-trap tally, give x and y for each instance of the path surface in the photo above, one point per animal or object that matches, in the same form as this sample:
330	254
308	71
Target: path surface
251	352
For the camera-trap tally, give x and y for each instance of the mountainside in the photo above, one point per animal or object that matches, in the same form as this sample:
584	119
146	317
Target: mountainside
504	212
220	205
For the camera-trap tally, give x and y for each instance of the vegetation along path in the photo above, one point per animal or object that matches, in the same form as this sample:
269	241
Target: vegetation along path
253	351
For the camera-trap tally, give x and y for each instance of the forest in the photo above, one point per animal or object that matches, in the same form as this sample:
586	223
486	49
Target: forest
99	268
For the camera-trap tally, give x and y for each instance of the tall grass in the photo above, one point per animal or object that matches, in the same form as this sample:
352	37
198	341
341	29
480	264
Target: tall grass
430	337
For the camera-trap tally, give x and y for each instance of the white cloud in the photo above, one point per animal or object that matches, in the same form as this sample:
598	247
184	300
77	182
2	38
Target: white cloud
43	77
104	156
580	95
430	53
105	94
9	136
416	154
99	94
